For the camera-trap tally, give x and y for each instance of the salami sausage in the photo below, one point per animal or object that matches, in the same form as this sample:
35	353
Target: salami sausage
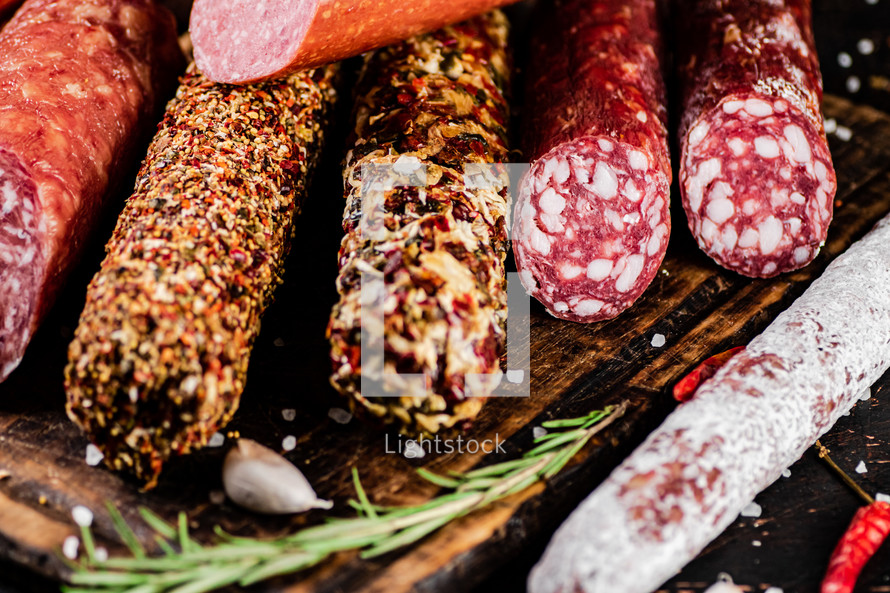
244	40
693	475
431	107
78	81
159	357
755	172
592	217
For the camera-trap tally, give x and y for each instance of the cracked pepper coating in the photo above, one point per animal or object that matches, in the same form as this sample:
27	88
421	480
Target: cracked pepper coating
427	107
159	358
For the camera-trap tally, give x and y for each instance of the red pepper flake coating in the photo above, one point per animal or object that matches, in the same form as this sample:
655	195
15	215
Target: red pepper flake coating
435	100
593	214
159	358
755	172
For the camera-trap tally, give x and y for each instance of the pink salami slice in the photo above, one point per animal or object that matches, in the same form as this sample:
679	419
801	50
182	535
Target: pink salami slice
693	475
592	218
755	171
245	40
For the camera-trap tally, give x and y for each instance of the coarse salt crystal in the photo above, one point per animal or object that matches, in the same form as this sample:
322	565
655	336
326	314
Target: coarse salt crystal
752	509
289	414
865	46
70	546
658	340
94	455
756	543
539	431
217	496
861	469
82	516
515	375
830	125
101	554
774	590
881	497
844	133
786	473
289	442
216	440
865	395
724	584
844	60
854	84
339	415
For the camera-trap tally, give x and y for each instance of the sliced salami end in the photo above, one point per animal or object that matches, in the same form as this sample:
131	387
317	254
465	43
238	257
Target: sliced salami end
758	185
245	40
21	260
592	224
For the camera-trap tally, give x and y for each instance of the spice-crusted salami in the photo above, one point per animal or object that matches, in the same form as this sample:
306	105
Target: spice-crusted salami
78	82
692	476
159	358
433	101
592	218
755	171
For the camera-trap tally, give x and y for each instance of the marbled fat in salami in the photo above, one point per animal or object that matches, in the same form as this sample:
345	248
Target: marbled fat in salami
755	171
693	475
77	81
592	218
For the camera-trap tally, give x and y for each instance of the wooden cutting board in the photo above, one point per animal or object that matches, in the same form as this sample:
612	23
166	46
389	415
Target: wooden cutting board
700	308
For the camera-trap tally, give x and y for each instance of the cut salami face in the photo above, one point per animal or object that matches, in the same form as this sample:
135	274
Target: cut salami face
592	218
78	81
694	474
245	41
755	172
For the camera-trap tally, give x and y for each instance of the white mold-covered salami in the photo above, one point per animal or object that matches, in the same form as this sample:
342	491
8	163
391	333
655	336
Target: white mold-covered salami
692	476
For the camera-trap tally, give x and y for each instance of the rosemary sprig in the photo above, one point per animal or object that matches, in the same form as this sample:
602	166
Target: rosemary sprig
188	567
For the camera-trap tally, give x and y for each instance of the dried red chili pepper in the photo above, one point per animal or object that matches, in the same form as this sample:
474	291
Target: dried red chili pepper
867	531
688	385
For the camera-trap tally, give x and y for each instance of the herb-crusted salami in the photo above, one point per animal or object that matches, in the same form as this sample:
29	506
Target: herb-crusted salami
693	475
159	358
592	218
755	171
79	80
433	101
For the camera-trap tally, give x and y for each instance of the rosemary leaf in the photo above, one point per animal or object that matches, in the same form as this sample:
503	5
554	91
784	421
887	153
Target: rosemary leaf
367	507
284	564
123	530
555	441
156	523
219	577
406	536
437	479
498	469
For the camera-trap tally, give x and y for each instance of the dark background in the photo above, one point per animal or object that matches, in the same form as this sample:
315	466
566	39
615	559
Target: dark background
853	40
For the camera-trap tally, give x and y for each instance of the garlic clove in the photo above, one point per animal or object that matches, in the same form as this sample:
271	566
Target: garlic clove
259	479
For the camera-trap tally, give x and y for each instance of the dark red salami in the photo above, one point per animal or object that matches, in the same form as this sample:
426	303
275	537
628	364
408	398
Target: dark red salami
77	78
592	218
755	171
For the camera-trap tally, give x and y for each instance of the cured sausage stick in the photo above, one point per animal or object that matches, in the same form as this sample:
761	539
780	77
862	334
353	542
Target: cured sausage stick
593	215
693	475
431	107
159	357
79	79
755	172
244	41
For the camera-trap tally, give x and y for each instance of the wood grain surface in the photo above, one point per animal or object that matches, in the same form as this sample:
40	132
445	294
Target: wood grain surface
699	308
